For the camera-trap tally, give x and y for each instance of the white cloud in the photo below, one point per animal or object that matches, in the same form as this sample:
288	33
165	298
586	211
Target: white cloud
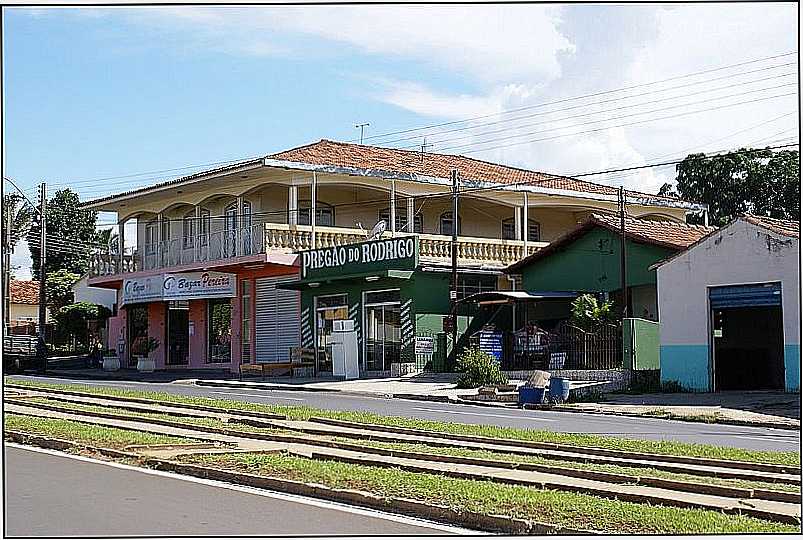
21	258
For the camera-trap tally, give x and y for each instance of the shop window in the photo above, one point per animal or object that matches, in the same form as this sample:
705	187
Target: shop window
468	284
220	330
401	220
188	230
245	327
324	214
509	230
446	224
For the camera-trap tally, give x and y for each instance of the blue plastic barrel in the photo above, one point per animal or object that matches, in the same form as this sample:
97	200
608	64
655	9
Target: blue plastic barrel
559	388
530	395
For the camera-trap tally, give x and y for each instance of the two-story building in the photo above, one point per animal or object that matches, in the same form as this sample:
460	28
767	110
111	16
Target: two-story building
215	274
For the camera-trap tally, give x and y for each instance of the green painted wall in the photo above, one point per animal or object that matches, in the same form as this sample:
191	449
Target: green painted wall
591	263
641	345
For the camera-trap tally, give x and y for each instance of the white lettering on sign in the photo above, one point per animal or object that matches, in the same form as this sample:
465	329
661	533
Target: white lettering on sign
369	252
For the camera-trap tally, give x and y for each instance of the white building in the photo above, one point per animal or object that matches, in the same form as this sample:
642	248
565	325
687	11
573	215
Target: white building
82	292
730	309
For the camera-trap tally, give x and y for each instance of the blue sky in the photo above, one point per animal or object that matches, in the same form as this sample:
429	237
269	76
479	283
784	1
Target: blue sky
95	93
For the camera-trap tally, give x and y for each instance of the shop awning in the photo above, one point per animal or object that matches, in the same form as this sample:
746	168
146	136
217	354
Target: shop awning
509	297
364	276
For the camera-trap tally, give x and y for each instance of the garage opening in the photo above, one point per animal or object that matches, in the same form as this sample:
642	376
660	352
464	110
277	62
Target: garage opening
747	337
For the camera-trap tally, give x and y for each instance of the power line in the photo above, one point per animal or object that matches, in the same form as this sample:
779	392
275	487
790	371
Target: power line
605	92
606	127
652	92
676	106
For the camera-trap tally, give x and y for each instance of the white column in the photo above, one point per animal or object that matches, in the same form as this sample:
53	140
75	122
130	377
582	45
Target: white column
392	207
196	242
517	222
120	246
160	247
525	219
312	210
410	215
292	205
239	234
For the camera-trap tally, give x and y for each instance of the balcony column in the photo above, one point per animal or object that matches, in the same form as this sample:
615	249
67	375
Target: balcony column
120	246
292	205
196	242
392	207
517	222
313	212
526	227
410	215
239	235
160	247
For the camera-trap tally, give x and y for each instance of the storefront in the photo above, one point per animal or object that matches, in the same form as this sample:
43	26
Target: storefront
398	304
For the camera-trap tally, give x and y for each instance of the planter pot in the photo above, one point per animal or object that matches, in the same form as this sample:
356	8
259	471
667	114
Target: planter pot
111	363
146	365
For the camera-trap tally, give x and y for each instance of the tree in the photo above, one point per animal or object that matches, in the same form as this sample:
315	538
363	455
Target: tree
762	182
588	314
59	288
107	240
71	235
17	216
74	318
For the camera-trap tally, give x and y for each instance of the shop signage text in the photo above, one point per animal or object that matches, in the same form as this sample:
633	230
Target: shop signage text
392	253
187	286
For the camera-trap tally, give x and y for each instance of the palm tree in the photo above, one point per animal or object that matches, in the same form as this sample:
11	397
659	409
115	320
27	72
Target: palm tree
17	216
107	239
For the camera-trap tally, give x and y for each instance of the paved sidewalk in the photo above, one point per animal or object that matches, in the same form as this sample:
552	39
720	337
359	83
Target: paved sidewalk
771	409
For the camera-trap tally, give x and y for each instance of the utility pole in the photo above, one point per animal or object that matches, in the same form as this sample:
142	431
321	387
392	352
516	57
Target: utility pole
453	287
623	261
41	346
6	262
361	127
424	147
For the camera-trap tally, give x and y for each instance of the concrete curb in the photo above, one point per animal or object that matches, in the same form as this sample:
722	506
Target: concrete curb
147	401
491	523
268	386
52	443
668	458
679	418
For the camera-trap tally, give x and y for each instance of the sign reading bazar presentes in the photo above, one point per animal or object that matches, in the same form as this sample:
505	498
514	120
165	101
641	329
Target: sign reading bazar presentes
186	286
393	253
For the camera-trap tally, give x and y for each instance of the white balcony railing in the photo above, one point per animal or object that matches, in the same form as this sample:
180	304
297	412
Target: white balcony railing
280	237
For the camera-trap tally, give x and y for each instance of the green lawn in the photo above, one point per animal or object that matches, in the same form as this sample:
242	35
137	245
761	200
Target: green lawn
574	439
87	434
571	510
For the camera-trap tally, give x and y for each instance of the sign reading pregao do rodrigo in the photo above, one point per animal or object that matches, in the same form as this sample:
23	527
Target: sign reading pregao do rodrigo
185	286
392	253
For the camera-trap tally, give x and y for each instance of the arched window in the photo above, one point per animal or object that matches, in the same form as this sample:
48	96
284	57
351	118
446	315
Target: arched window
446	224
188	230
203	229
324	214
151	237
509	230
401	220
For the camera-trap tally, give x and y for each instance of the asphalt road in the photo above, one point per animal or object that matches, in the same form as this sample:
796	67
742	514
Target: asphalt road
51	494
753	438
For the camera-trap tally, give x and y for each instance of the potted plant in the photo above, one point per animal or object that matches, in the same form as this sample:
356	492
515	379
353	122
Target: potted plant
110	360
147	364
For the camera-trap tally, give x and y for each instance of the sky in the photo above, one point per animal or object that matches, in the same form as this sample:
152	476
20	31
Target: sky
104	100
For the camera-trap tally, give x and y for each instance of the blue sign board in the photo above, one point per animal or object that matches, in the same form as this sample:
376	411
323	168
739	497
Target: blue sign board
491	343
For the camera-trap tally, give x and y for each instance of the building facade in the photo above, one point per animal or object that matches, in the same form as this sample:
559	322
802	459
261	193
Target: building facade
730	309
248	223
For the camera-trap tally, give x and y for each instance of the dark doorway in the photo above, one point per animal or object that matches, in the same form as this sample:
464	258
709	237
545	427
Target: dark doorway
748	348
178	333
137	315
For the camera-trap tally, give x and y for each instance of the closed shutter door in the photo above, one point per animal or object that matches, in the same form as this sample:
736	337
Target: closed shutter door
733	296
277	321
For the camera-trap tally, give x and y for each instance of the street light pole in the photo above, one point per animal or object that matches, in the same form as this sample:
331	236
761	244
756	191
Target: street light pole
453	287
41	346
623	253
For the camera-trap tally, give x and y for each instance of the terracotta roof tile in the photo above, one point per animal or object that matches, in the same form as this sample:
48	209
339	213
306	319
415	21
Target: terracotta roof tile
24	292
341	154
667	234
778	226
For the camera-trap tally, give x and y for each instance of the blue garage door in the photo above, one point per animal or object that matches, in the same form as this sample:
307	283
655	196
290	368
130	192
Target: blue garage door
766	294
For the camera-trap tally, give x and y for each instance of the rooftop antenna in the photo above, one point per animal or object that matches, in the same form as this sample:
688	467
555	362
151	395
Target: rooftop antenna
424	147
361	127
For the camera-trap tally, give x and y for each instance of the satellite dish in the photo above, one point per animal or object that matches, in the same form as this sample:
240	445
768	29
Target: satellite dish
380	227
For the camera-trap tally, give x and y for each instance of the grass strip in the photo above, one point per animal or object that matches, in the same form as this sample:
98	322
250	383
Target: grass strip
598	467
88	434
571	510
573	439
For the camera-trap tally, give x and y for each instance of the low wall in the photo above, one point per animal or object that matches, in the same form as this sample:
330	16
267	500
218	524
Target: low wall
616	380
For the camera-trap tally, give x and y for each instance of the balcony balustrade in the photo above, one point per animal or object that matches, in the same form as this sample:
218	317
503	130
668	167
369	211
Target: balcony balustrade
283	238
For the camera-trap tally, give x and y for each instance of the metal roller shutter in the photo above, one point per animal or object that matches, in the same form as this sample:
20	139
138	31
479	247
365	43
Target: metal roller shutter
277	320
733	296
